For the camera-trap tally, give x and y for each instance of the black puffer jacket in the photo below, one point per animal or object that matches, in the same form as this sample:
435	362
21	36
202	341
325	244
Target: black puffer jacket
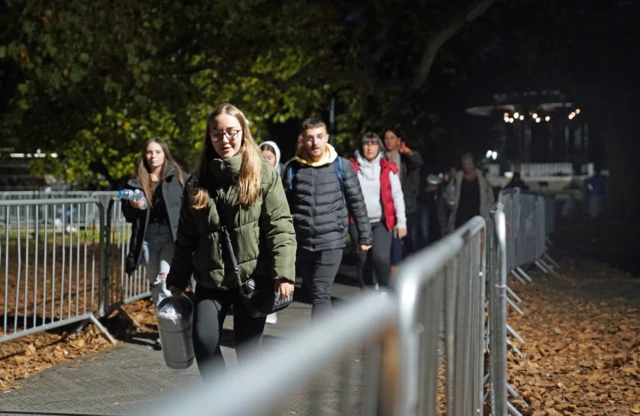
315	196
139	218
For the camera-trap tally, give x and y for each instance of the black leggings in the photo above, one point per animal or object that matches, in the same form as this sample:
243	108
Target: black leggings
377	260
211	307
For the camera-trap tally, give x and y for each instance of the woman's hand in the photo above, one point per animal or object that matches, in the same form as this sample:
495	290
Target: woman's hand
285	286
175	291
400	232
363	247
136	204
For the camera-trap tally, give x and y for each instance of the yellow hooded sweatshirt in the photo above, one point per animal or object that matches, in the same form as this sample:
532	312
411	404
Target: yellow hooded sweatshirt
328	157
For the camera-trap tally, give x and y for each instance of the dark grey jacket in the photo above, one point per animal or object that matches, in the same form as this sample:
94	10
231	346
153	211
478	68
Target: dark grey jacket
320	216
172	195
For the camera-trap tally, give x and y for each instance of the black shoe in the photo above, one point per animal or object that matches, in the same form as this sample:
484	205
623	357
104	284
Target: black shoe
157	346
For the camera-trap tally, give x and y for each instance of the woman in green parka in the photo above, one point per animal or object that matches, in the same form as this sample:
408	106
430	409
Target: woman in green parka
233	186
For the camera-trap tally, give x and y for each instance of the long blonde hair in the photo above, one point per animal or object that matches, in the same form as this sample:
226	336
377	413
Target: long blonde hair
250	172
144	171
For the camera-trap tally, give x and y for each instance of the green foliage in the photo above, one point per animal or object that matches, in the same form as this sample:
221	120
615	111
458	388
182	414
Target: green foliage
96	79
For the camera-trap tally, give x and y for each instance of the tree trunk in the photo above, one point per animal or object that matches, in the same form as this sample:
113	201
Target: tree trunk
621	146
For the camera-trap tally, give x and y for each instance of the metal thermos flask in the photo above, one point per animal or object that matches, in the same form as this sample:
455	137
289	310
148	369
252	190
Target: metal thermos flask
175	316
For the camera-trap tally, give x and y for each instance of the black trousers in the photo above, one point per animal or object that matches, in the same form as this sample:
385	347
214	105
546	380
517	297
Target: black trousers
318	270
376	262
210	309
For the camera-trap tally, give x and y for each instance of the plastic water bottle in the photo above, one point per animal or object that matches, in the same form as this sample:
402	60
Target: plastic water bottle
138	195
135	195
126	194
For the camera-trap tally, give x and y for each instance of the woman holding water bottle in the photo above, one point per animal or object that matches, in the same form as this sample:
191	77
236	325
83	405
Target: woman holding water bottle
154	209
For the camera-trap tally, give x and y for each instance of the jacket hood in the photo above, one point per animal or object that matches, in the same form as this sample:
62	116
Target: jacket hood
368	169
134	181
329	156
225	170
275	148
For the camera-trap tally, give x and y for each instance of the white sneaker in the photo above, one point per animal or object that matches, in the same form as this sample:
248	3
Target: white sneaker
272	318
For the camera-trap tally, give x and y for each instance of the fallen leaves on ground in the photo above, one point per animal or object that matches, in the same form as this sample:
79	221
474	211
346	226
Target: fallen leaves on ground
582	349
28	355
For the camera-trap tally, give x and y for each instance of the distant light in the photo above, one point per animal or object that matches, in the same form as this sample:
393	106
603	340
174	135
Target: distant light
489	153
547	118
29	155
17	155
577	111
506	119
538	120
506	115
54	155
516	115
508	175
521	118
572	116
494	155
534	115
510	120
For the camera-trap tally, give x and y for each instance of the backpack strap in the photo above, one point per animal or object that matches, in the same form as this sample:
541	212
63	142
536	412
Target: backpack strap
339	172
290	172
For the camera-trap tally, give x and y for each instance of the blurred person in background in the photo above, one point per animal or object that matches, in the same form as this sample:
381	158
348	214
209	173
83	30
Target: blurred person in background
473	194
409	163
380	183
271	153
154	227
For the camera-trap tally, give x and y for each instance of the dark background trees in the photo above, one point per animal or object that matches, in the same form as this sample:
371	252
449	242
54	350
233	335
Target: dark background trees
93	80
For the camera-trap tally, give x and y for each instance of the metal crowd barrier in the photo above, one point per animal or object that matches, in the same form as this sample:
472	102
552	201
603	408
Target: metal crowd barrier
423	337
92	212
530	220
52	265
416	350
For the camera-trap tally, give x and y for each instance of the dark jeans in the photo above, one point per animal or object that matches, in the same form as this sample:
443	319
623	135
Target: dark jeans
318	270
376	260
211	307
414	232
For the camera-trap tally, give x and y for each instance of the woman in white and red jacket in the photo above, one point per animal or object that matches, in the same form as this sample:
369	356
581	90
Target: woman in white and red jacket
384	200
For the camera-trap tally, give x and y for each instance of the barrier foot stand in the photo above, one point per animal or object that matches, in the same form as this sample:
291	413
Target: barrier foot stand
518	277
513	393
81	326
551	260
514	306
550	268
126	316
513	295
487	379
101	327
515	334
512	410
509	343
523	273
541	267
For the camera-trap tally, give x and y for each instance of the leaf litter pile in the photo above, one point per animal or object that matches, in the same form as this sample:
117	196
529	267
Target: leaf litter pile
582	342
28	355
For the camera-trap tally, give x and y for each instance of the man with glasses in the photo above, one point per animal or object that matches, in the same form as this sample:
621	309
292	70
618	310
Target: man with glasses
323	190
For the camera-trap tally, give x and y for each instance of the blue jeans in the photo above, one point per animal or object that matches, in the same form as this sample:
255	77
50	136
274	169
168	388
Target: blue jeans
158	249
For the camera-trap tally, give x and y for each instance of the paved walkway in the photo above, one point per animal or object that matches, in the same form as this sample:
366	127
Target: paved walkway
131	378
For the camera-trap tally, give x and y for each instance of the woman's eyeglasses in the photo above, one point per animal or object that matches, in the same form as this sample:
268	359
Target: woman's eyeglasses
217	135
